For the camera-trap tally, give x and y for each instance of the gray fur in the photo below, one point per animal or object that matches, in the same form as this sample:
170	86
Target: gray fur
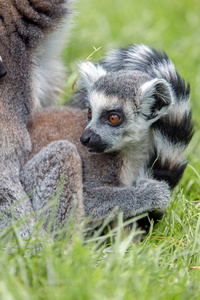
57	162
146	196
124	85
25	33
48	69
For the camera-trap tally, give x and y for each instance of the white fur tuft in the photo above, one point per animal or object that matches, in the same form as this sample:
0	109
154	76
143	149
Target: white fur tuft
90	73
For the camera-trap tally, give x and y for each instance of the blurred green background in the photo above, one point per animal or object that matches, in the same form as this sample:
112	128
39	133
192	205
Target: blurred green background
172	26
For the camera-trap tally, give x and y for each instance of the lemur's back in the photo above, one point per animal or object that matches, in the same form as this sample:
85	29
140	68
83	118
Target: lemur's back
53	124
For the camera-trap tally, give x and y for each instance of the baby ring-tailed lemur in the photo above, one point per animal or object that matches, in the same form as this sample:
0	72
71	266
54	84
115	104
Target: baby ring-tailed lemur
30	41
132	150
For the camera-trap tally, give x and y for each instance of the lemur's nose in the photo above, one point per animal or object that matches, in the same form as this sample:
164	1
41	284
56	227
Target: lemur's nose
2	73
85	138
2	69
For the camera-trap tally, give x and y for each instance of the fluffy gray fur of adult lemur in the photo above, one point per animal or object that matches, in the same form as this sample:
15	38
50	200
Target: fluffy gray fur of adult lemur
31	76
133	141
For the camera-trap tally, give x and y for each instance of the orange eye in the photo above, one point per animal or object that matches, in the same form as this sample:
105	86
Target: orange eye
114	119
89	113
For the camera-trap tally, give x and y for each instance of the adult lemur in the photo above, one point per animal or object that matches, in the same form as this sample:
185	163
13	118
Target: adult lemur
34	75
133	142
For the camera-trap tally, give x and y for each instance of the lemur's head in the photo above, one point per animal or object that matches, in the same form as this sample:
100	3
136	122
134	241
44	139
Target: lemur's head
122	106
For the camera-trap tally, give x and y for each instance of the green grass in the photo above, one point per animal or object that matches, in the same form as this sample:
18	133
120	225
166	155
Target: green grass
163	266
166	264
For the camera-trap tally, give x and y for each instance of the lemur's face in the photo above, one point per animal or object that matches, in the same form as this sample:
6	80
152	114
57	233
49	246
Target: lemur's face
112	124
122	106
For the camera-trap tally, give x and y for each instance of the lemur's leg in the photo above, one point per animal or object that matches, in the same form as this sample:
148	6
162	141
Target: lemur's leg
147	196
14	204
56	163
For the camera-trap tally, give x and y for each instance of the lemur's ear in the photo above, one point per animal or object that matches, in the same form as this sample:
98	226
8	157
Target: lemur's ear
156	98
90	73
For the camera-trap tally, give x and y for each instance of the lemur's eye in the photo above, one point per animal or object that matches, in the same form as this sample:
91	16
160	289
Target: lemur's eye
89	113
114	119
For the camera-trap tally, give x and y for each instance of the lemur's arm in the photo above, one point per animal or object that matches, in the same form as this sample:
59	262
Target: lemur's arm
148	195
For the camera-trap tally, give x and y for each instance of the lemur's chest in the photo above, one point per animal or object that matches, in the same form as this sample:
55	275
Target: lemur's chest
133	163
101	169
128	171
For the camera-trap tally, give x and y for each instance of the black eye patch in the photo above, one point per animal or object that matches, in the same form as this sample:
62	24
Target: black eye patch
105	116
2	68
